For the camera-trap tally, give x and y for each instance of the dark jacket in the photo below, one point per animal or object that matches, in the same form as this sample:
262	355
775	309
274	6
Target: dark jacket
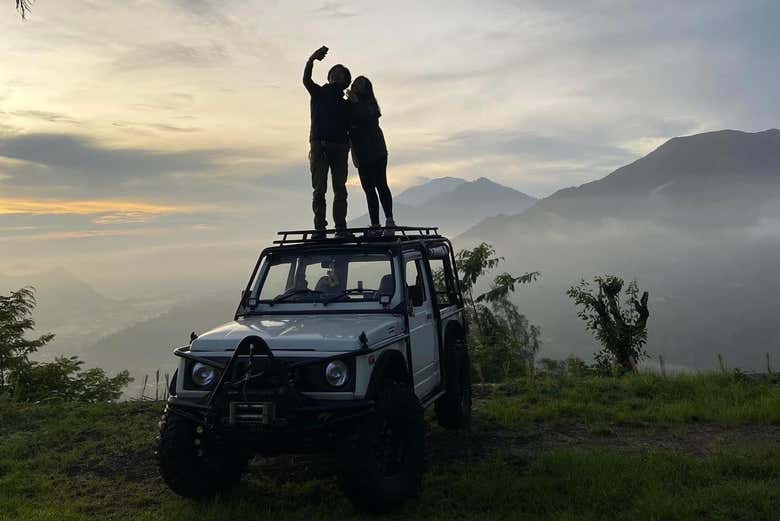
368	141
329	112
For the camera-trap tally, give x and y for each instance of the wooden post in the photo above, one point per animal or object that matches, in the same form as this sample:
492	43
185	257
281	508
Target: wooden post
721	363
768	364
157	386
663	365
167	386
143	390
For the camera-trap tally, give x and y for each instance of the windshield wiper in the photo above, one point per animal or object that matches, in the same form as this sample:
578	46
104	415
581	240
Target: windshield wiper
284	296
346	292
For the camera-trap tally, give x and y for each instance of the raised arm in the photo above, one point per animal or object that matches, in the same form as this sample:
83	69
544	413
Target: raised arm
319	54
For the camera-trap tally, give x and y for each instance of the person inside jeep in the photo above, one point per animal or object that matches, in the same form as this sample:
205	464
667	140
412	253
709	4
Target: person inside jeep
329	142
328	283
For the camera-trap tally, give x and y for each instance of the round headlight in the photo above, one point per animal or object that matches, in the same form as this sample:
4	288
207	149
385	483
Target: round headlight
336	373
203	375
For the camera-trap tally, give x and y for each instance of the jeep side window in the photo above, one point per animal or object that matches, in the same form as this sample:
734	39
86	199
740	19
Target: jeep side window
443	282
415	287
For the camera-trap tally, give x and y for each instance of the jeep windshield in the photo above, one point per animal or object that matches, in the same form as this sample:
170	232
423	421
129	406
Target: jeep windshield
326	278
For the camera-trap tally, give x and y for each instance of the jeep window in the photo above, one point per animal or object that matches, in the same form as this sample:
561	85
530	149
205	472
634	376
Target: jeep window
415	287
321	277
443	282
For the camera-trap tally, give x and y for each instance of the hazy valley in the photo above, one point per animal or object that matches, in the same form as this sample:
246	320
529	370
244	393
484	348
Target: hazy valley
697	222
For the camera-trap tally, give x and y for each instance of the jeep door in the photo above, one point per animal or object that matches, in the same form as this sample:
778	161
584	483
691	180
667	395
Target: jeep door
422	329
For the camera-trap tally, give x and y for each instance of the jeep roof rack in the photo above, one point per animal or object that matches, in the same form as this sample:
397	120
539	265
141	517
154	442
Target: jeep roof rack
361	235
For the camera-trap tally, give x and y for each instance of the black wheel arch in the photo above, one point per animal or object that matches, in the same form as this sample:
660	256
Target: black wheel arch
172	385
452	333
390	364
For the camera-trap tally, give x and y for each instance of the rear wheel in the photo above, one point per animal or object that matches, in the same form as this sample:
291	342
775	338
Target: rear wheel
384	462
453	410
194	463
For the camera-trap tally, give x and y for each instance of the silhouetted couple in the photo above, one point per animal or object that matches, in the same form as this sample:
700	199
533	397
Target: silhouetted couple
336	123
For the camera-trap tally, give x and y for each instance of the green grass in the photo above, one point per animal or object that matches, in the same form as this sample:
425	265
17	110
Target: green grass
83	462
641	398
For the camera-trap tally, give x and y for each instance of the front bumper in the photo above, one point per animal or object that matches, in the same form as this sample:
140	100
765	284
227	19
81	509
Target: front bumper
257	393
301	413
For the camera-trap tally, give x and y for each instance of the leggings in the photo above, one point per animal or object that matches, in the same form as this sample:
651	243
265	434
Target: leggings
373	178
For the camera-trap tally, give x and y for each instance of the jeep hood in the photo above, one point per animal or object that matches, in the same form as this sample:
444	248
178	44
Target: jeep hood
302	332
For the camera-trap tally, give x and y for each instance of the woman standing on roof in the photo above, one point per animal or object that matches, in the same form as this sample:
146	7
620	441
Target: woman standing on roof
369	151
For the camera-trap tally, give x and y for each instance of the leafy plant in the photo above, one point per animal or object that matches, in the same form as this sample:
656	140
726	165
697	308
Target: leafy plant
620	326
23	6
64	379
504	340
15	320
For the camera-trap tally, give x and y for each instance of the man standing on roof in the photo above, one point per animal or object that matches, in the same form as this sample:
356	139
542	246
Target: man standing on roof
329	141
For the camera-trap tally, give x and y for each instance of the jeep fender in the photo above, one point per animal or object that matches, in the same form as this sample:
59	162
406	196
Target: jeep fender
454	331
390	364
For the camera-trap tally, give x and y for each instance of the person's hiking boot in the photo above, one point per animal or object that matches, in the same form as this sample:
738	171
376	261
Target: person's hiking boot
389	228
318	235
344	234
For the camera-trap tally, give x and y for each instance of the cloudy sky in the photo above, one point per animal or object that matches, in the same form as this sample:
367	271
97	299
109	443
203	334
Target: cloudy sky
131	128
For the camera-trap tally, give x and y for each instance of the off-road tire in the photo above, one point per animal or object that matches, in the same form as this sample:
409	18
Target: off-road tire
376	475
194	463
453	410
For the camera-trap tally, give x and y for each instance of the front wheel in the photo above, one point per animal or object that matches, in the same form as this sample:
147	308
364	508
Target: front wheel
194	463
384	461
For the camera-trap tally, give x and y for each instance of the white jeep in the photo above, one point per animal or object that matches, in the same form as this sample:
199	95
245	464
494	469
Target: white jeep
337	344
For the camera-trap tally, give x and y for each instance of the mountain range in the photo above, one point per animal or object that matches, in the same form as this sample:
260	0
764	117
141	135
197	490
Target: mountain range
724	178
433	204
696	221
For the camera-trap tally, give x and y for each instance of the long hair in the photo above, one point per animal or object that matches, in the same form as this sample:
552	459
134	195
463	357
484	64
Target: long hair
368	96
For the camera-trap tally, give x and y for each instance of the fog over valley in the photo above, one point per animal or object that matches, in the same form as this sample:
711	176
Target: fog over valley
696	222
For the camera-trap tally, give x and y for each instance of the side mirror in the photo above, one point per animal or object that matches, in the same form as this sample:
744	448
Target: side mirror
245	300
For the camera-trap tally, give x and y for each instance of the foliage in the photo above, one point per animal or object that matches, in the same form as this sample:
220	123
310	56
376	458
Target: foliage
15	320
472	264
65	380
504	342
620	327
23	6
503	284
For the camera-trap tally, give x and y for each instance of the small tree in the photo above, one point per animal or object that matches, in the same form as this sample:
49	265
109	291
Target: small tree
15	320
504	340
620	327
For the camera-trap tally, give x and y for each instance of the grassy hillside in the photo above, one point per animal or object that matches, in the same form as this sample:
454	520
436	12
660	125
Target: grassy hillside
642	447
